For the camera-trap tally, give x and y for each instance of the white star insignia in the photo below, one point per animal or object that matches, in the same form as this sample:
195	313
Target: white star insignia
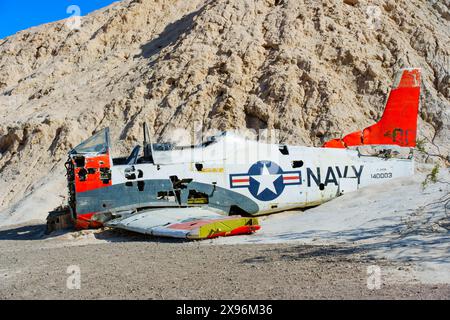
266	181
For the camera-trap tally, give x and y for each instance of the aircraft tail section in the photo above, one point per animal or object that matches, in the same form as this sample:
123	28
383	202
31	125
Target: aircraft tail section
398	125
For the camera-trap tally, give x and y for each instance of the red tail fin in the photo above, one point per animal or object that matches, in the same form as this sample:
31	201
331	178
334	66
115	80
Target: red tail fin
398	125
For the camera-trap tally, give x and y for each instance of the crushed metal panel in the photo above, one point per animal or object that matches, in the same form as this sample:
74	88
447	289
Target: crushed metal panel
185	223
144	221
385	151
59	219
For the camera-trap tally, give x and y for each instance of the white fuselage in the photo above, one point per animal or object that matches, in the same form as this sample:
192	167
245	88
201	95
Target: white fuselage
276	177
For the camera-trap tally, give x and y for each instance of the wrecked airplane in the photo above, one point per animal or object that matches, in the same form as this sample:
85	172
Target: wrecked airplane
219	187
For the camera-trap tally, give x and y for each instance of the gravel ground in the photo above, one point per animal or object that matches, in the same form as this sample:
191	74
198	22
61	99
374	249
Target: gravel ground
128	266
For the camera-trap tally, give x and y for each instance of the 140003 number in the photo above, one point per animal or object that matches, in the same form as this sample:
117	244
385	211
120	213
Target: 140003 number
384	175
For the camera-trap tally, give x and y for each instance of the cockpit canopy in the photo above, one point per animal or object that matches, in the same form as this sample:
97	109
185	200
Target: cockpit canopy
98	144
158	153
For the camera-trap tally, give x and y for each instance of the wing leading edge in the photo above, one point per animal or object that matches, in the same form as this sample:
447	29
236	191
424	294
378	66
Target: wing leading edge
185	223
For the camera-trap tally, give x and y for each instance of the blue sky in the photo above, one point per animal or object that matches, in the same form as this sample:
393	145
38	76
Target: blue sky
16	15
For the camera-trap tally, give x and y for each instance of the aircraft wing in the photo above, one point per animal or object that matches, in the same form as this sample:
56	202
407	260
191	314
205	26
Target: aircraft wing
186	223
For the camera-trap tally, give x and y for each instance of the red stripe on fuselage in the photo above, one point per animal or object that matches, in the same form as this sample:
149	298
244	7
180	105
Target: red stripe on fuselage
240	180
291	178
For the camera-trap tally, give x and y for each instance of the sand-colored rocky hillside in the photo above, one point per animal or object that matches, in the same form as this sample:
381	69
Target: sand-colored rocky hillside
312	69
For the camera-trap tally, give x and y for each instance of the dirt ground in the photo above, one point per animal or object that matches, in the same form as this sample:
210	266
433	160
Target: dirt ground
128	266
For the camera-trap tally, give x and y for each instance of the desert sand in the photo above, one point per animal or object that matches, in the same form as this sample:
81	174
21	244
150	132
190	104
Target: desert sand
126	266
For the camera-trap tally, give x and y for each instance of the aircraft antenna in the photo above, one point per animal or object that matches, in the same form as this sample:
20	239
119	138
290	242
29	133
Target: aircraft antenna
147	152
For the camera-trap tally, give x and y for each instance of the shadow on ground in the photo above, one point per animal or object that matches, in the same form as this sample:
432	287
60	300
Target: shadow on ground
382	241
37	232
31	232
303	252
117	235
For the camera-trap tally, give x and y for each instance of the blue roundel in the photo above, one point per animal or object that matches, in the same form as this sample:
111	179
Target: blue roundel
266	180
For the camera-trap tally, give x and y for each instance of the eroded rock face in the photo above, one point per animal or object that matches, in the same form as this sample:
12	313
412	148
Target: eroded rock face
315	70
